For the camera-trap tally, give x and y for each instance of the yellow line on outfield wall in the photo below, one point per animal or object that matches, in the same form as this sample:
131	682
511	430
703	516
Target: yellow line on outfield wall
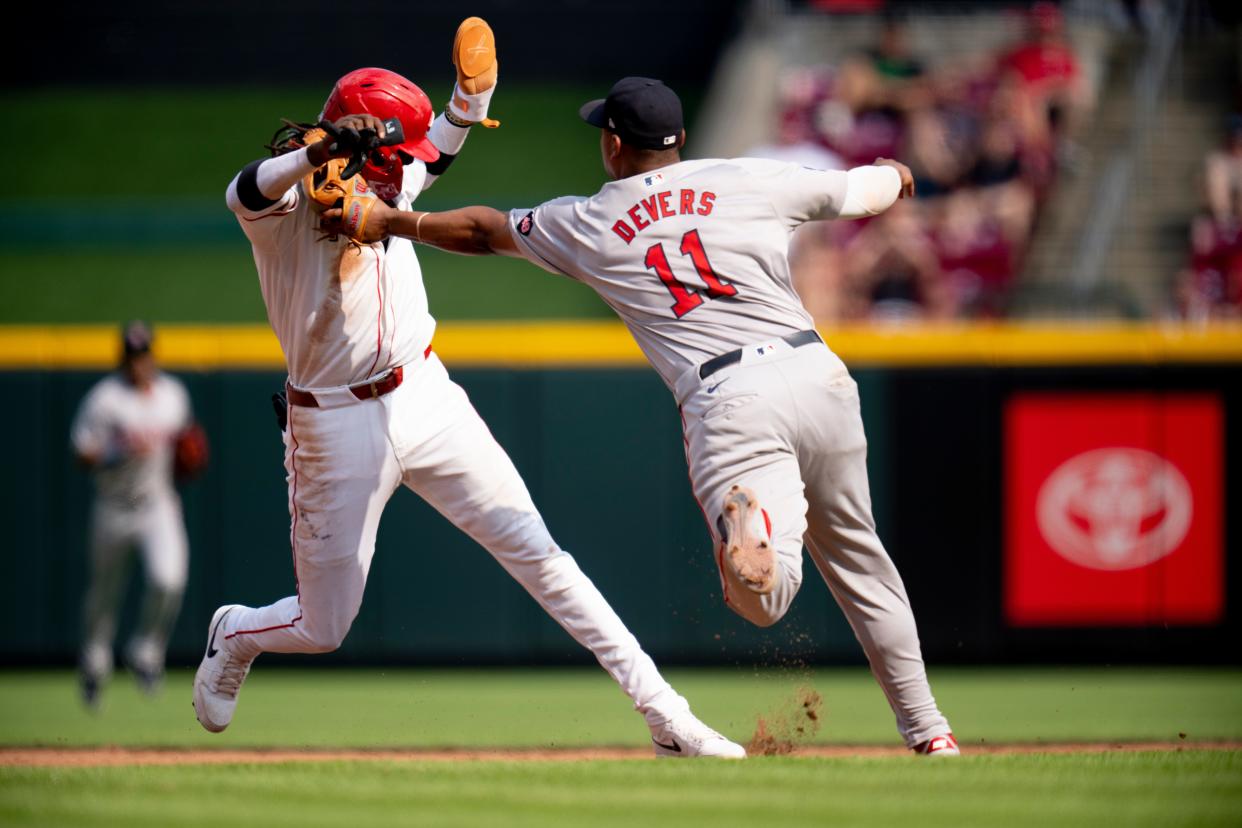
608	344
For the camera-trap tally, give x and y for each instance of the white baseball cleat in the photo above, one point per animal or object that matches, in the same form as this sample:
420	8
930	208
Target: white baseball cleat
91	685
747	541
146	662
938	746
219	677
94	671
684	736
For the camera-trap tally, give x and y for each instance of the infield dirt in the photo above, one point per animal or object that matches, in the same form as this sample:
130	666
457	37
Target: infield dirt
111	756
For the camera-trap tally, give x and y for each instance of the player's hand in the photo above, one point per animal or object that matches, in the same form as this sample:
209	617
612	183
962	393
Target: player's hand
374	229
346	136
907	177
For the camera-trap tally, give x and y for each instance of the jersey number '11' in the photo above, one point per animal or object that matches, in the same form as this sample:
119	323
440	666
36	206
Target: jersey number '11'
686	298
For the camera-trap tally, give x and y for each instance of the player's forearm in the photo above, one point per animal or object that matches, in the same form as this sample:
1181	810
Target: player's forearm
465	109
448	138
262	183
869	191
473	231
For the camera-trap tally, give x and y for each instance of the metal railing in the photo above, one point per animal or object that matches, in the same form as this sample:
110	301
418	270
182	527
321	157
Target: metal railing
1117	180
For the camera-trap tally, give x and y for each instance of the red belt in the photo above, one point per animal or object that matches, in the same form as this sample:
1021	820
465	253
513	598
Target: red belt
363	390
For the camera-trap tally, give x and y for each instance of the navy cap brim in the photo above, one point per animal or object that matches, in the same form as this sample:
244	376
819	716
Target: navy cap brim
593	113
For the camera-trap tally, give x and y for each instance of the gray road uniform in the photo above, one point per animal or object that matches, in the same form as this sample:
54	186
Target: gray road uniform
136	508
693	258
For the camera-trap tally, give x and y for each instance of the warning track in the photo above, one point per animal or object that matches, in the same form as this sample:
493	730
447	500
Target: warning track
114	756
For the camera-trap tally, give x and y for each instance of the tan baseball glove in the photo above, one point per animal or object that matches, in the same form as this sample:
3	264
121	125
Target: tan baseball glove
336	183
326	189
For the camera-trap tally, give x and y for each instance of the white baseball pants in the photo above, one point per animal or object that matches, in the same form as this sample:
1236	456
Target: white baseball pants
346	458
157	531
785	422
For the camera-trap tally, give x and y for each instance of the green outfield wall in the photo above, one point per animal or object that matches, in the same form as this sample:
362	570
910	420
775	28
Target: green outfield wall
600	447
600	450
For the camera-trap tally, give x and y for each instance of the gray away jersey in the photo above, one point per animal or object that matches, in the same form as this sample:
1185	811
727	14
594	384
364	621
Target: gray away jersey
693	257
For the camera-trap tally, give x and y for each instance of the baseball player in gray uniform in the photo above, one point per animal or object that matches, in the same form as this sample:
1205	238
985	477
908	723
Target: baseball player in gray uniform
124	432
372	408
692	255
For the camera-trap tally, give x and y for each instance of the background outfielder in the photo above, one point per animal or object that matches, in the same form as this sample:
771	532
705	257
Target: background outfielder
371	407
127	431
692	255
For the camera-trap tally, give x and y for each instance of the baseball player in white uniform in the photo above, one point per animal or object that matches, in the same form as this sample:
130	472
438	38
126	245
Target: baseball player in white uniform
371	408
692	255
124	433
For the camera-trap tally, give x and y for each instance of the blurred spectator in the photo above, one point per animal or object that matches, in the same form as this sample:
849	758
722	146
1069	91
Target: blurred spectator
1210	286
1004	178
888	78
1223	178
975	255
892	271
1050	96
982	133
815	261
848	6
870	94
893	59
796	137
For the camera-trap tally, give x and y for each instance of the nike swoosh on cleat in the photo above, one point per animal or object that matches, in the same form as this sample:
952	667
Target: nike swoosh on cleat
674	747
211	645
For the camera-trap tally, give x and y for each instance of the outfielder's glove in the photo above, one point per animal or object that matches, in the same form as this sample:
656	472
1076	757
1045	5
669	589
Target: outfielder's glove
190	452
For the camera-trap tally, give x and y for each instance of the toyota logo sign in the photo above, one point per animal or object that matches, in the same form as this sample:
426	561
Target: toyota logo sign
1114	508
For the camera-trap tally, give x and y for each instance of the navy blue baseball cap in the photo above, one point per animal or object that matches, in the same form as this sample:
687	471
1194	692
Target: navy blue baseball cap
642	111
136	338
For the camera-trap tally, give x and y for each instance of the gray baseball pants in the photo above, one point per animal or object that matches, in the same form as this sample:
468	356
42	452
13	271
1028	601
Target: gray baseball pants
785	422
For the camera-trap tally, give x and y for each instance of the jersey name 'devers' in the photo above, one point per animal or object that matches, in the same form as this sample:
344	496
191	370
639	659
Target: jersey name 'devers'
662	205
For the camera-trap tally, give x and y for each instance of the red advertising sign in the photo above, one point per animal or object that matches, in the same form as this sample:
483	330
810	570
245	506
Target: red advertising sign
1113	508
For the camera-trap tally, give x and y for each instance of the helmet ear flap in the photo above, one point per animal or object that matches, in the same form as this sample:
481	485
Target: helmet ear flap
386	177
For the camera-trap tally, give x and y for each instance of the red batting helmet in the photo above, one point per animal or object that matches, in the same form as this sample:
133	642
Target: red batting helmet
386	94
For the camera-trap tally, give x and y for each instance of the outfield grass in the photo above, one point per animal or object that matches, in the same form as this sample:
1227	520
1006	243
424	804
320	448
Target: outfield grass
1164	789
566	707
